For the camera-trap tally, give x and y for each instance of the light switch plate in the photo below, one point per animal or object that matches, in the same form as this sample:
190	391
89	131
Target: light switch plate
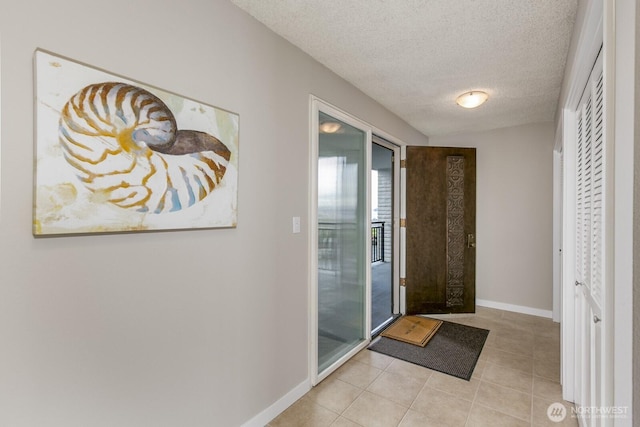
296	224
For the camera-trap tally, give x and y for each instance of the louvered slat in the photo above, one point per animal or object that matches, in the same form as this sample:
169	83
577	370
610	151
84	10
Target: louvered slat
598	196
579	196
587	179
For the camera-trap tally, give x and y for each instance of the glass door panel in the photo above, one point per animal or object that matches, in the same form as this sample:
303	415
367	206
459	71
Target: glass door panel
342	224
382	239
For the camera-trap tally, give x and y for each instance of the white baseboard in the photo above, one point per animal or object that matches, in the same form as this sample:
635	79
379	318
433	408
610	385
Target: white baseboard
515	308
280	405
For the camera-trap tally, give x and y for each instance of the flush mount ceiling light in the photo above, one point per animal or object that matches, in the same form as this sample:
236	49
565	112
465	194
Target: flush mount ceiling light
472	99
330	127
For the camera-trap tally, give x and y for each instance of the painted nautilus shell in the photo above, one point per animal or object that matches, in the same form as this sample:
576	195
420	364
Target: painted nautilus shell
125	146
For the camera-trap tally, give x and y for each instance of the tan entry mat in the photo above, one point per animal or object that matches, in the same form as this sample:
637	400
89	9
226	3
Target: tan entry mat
413	330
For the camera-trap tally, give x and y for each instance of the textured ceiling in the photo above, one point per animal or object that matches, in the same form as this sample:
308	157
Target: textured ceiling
415	56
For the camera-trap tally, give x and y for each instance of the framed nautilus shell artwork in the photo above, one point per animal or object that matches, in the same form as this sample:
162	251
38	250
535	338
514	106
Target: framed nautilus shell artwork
115	155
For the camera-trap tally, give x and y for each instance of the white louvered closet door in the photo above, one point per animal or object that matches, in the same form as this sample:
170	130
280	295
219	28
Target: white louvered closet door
590	216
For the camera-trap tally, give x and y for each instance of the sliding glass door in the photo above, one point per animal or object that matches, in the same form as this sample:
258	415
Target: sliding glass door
342	254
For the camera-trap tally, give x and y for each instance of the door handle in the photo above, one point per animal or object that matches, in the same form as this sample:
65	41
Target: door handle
596	319
471	240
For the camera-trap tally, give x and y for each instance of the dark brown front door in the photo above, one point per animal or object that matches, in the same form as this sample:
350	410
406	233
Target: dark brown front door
440	230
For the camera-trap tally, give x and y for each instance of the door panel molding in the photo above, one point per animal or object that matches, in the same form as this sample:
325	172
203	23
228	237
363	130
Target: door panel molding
456	237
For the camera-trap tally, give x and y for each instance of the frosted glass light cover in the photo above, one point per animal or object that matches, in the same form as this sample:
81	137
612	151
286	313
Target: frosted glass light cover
472	99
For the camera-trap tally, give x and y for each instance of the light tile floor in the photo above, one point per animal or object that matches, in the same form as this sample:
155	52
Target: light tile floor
513	384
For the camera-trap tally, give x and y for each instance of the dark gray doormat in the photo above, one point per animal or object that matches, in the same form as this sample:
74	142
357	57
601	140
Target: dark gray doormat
453	350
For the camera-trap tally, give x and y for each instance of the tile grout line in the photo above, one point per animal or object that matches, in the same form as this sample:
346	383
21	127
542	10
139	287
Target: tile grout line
473	401
417	394
341	414
533	381
483	379
506	386
502	411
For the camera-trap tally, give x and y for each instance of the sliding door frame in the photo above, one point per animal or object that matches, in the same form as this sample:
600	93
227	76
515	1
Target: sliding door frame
317	105
384	142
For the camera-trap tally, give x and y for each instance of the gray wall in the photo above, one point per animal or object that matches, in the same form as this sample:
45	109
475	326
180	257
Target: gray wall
514	213
139	329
